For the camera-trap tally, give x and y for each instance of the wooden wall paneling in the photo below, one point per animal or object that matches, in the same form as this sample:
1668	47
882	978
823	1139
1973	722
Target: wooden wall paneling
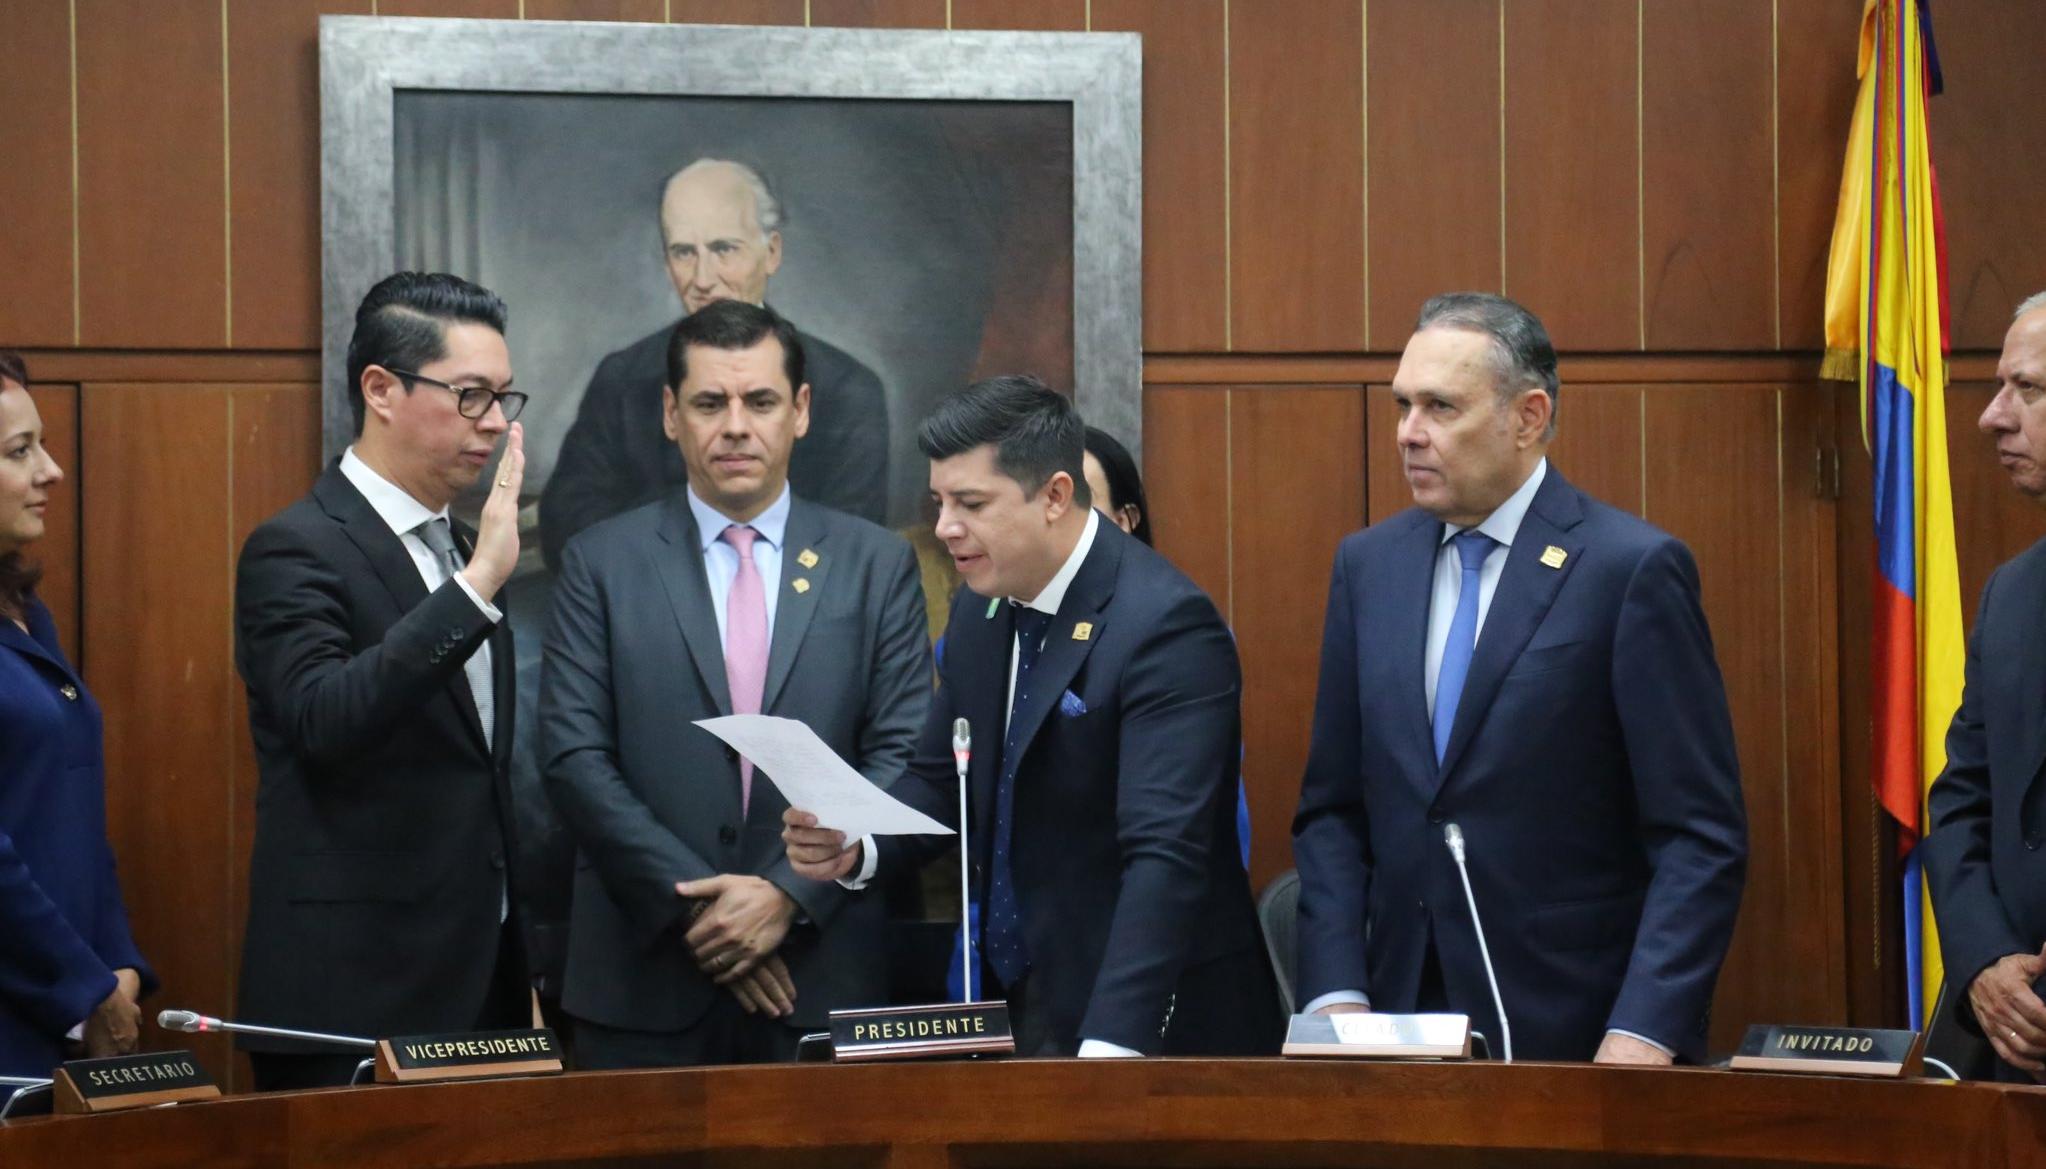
1572	213
1718	481
1816	48
1186	480
478	9
1022	15
1434	111
735	11
274	433
152	218
1985	135
641	11
1992	520
35	185
877	13
273	182
1708	218
1386	492
157	601
1186	306
1296	473
57	551
1296	179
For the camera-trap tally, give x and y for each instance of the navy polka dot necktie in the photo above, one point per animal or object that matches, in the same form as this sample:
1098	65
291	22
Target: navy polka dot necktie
1002	940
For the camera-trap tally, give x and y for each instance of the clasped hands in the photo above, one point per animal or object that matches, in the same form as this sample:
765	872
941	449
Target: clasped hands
736	925
2010	1012
115	1025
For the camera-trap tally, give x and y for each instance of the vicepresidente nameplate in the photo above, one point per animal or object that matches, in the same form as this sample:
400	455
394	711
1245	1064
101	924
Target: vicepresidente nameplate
916	1032
476	1055
130	1081
1839	1051
1377	1035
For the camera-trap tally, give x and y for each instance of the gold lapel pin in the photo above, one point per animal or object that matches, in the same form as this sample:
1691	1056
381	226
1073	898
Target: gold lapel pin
800	584
1083	631
1554	556
807	558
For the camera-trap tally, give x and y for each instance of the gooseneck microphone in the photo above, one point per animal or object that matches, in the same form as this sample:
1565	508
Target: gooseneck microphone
962	754
195	1023
1453	837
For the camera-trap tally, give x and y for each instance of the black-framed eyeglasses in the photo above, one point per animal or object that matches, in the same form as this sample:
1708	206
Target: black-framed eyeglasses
472	401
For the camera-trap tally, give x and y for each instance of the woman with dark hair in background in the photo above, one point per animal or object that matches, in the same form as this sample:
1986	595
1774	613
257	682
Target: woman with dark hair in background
70	974
1117	488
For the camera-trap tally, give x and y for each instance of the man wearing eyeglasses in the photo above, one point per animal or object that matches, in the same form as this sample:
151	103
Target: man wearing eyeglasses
379	677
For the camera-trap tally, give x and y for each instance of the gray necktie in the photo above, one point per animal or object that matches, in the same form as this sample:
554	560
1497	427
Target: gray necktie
441	540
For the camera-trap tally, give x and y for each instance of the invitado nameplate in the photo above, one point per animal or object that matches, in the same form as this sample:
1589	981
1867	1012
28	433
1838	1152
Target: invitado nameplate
915	1032
130	1081
1375	1035
1838	1051
476	1055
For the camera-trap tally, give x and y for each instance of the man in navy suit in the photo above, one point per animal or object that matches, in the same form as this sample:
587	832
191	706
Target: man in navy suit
1515	658
1984	853
1102	689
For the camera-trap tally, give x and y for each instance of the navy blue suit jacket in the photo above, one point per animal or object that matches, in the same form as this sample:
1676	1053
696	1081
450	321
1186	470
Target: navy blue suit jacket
1137	914
1591	767
1986	852
63	929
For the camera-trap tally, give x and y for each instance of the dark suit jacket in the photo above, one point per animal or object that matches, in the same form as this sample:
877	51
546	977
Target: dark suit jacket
63	929
1591	767
1985	853
632	659
1136	911
616	456
382	820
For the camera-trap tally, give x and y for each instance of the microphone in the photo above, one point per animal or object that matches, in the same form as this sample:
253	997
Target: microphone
195	1023
962	754
1453	837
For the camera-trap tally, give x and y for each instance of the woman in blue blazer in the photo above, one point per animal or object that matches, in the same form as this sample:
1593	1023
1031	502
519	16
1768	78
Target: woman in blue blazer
69	971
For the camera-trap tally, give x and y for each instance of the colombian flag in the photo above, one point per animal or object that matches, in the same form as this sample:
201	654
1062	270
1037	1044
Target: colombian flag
1886	327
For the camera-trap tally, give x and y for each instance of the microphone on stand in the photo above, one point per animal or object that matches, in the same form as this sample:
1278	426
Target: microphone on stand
195	1023
962	754
1453	837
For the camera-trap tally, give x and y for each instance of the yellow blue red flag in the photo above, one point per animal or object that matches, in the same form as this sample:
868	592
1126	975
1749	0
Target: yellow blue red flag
1886	327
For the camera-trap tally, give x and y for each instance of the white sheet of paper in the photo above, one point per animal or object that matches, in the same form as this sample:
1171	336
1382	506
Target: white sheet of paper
811	776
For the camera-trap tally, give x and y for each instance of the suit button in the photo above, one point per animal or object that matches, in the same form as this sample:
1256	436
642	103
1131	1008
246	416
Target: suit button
69	692
1422	905
1436	817
732	754
728	834
496	859
2032	842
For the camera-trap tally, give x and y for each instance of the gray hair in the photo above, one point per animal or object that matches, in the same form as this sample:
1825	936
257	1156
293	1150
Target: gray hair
766	206
1521	350
2031	303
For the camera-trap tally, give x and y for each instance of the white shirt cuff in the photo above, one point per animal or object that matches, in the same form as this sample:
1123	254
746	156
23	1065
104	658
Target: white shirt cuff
1102	1049
1336	996
1643	1038
77	1033
489	610
869	862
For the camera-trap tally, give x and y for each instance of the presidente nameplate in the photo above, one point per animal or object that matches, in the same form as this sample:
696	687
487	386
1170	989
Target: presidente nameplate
130	1081
1838	1051
916	1032
1377	1035
476	1055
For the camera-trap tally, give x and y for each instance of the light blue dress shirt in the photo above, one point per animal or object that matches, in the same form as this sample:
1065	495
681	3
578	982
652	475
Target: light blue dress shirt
721	560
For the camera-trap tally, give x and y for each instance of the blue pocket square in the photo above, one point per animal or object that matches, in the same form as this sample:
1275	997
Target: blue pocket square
1071	706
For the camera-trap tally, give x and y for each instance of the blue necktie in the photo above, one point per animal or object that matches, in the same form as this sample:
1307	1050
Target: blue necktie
1002	937
1472	547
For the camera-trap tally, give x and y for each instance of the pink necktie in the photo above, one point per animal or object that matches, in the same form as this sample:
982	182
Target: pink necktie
745	642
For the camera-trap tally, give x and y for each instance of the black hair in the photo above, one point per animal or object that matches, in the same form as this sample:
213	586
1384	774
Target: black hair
1036	432
733	325
1125	486
402	324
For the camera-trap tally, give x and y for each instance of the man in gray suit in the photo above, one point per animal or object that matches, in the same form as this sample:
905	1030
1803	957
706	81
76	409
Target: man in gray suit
691	940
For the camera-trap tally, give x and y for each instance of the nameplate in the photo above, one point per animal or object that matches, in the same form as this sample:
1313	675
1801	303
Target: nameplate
916	1032
476	1055
130	1081
1839	1051
1375	1035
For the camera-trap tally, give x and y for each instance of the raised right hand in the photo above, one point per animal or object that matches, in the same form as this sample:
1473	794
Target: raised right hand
497	530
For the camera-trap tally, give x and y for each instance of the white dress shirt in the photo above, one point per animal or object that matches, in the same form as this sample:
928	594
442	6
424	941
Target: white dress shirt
721	560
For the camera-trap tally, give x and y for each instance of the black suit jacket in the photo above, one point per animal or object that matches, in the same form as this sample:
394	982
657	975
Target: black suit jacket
1985	853
1591	767
1136	911
616	456
382	819
632	659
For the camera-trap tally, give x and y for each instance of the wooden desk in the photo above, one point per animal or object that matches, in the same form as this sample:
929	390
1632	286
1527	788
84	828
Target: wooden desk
1193	1113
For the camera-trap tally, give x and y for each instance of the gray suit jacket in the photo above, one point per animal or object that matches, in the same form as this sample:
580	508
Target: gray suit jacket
632	658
